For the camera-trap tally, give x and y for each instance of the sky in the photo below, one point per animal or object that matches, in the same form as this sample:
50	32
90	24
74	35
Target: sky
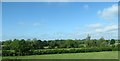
60	0
59	20
0	21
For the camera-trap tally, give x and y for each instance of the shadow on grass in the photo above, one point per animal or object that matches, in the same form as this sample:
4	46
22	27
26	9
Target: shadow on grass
60	60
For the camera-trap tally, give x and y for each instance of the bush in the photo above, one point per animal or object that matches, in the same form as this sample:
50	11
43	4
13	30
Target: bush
58	51
106	48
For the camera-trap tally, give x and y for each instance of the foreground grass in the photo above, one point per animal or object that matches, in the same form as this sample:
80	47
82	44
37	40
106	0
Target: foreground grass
91	55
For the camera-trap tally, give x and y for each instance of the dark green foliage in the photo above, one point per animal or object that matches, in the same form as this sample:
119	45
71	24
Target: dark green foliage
37	47
57	51
112	41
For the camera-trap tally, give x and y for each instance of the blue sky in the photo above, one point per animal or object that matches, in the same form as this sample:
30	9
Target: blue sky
60	0
59	20
0	21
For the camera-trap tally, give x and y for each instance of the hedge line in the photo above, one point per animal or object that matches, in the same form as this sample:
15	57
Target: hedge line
57	51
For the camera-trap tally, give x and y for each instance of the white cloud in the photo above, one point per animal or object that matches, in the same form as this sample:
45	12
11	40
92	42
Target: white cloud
96	25
107	28
86	6
29	24
109	13
36	24
111	28
107	31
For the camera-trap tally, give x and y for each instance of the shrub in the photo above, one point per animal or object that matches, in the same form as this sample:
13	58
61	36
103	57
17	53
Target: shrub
57	51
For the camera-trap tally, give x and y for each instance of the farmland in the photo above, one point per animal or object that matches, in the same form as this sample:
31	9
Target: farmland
89	55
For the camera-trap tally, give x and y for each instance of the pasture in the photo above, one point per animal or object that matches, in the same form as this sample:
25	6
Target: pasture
89	55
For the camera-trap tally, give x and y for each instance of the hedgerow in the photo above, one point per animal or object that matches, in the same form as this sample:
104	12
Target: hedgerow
57	51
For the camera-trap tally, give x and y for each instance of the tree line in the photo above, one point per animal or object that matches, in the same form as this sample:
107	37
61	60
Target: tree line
34	46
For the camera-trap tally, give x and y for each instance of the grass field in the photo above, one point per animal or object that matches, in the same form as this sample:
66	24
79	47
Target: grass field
92	55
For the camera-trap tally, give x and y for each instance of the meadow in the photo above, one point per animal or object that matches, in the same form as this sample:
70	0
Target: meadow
89	55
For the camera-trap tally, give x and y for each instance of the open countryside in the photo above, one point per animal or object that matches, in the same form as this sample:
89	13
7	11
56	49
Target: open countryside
60	30
93	55
60	49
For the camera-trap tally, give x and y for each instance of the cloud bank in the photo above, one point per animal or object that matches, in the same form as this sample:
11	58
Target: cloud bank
107	28
110	13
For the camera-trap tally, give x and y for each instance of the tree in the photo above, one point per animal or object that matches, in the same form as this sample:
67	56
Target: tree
112	41
21	47
15	44
6	45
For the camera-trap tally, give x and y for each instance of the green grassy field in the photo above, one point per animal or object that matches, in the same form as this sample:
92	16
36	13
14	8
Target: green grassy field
92	55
